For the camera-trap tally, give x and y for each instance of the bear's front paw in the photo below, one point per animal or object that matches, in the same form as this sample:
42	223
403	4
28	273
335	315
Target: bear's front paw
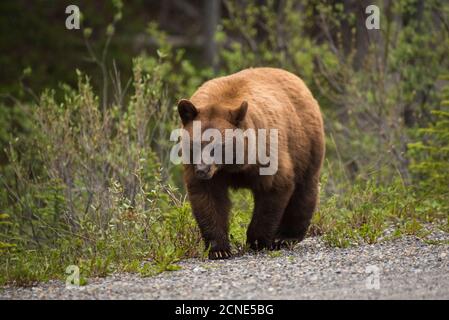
260	244
220	254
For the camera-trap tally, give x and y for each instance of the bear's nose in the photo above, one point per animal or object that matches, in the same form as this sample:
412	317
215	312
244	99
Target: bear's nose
202	171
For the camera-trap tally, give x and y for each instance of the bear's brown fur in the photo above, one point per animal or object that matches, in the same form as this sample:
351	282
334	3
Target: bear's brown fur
284	202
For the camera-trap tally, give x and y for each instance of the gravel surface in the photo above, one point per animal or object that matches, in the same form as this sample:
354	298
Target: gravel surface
407	268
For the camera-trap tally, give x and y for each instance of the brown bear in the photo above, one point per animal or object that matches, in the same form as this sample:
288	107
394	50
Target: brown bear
256	98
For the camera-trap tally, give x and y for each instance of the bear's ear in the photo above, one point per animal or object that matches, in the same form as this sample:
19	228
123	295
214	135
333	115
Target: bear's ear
239	114
187	111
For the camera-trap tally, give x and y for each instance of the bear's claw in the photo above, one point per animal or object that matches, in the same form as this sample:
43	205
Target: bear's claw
258	245
220	254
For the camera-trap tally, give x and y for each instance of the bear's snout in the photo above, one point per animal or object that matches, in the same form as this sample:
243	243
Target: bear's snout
203	171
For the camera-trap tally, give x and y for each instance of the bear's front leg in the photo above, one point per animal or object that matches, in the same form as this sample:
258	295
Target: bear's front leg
269	207
211	205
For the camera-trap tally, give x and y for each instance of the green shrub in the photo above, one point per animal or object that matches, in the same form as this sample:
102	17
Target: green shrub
430	156
87	187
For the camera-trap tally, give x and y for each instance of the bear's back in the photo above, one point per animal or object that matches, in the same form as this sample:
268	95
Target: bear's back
276	98
268	89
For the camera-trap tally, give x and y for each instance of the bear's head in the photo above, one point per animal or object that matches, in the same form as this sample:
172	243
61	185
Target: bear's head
207	127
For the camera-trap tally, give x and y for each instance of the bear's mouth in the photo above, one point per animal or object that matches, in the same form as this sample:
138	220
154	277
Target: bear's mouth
205	172
204	176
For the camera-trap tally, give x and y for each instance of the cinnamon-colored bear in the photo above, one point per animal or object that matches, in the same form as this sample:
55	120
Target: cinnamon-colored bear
257	98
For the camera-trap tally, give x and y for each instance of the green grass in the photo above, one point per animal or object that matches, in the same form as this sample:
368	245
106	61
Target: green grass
127	246
362	215
366	211
274	254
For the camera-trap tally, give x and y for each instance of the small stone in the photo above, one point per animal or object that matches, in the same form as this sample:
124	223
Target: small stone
199	269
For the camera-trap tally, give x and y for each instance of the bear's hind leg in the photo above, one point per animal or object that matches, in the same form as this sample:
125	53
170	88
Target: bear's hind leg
298	213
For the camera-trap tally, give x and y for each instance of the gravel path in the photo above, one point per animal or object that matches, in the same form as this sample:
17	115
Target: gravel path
407	268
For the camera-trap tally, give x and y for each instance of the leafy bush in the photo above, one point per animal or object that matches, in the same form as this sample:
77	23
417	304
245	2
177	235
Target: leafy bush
87	187
373	86
430	155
